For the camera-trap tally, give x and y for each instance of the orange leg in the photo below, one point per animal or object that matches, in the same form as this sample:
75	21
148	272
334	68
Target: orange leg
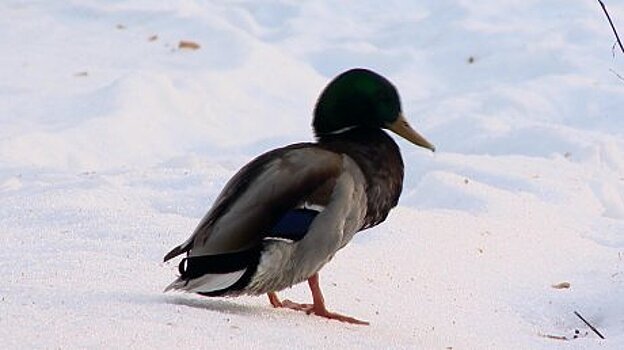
318	307
274	300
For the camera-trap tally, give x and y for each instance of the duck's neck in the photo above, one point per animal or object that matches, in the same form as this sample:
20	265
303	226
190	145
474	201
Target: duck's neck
380	160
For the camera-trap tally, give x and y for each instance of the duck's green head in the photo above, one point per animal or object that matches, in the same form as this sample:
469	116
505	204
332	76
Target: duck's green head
362	98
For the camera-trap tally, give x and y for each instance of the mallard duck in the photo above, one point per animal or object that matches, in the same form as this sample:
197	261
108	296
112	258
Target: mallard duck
286	213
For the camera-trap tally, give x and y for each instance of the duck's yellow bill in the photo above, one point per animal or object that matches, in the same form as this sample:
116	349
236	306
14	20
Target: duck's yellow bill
402	128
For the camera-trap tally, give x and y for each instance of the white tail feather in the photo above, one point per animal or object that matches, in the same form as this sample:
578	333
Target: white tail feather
207	283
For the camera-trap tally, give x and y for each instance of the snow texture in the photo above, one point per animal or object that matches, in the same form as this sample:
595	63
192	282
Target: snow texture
114	142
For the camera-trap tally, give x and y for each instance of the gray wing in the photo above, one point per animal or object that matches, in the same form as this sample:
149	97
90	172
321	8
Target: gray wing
259	194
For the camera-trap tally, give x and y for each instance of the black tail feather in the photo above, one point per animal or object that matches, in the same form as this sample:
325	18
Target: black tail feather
182	248
197	266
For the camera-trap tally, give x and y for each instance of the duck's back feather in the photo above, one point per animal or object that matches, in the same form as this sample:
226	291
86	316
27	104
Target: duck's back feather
258	195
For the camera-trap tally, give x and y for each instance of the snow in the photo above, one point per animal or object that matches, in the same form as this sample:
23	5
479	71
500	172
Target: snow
114	143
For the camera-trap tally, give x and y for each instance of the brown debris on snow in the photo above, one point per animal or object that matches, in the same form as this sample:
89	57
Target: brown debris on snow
562	285
188	45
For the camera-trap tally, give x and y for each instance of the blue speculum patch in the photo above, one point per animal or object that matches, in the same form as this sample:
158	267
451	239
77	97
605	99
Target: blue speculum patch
293	225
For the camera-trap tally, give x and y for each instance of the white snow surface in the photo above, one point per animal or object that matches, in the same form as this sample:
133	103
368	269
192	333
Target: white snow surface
114	143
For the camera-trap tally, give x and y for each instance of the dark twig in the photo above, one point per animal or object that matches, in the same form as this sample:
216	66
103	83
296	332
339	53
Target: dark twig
555	337
617	74
589	325
604	8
